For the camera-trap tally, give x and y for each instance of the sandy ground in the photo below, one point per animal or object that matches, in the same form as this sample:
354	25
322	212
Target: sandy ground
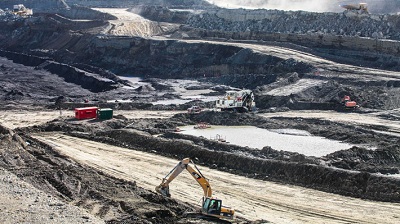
24	118
22	203
252	199
297	87
351	118
131	24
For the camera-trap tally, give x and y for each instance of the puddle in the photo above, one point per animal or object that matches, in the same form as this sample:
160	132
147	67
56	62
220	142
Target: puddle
202	98
136	81
119	101
279	139
291	132
171	101
185	100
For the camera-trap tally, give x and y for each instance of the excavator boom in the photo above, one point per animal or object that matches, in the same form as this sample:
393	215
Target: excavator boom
163	188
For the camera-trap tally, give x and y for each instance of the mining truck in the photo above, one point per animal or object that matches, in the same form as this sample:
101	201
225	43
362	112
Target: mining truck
211	206
21	10
194	110
240	101
360	7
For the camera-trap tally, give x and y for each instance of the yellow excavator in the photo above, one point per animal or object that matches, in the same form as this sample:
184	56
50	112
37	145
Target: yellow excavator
210	206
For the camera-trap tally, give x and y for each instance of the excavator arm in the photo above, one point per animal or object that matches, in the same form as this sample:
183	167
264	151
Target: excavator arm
163	188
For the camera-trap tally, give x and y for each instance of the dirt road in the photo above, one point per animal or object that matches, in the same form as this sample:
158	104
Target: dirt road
252	199
130	24
350	118
23	118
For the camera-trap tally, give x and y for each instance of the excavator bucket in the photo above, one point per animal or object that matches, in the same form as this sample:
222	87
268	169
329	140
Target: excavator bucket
163	190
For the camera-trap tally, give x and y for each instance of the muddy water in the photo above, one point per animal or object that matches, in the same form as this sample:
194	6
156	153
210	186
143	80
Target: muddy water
171	101
281	139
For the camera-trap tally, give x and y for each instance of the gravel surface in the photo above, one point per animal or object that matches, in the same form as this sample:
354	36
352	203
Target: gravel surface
22	203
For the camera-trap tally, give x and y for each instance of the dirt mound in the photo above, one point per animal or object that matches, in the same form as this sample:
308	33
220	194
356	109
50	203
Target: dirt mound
367	160
298	22
303	92
161	14
90	81
381	160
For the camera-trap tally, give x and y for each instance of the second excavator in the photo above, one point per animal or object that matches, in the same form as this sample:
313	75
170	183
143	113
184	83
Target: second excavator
210	206
348	103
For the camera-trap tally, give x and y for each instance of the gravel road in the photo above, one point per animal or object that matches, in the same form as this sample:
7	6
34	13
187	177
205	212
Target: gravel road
350	118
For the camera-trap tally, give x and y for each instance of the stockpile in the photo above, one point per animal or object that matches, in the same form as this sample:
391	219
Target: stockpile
299	22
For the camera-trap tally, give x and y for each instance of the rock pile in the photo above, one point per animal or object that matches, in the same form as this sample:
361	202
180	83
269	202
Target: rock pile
299	22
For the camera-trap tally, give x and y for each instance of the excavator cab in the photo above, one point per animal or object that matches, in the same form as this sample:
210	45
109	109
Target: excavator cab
211	206
348	103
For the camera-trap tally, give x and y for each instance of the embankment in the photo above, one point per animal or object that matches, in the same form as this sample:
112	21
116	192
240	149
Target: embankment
90	81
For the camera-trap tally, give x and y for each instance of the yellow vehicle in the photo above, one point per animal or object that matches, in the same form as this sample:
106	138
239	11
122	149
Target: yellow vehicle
21	10
360	7
210	206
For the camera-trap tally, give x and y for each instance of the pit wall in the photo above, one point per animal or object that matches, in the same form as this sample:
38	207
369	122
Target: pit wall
78	12
174	59
391	47
355	184
373	32
71	74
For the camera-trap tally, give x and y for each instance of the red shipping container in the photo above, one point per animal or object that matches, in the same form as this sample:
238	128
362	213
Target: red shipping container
85	113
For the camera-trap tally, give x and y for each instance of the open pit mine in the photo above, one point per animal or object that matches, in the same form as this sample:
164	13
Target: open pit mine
163	111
